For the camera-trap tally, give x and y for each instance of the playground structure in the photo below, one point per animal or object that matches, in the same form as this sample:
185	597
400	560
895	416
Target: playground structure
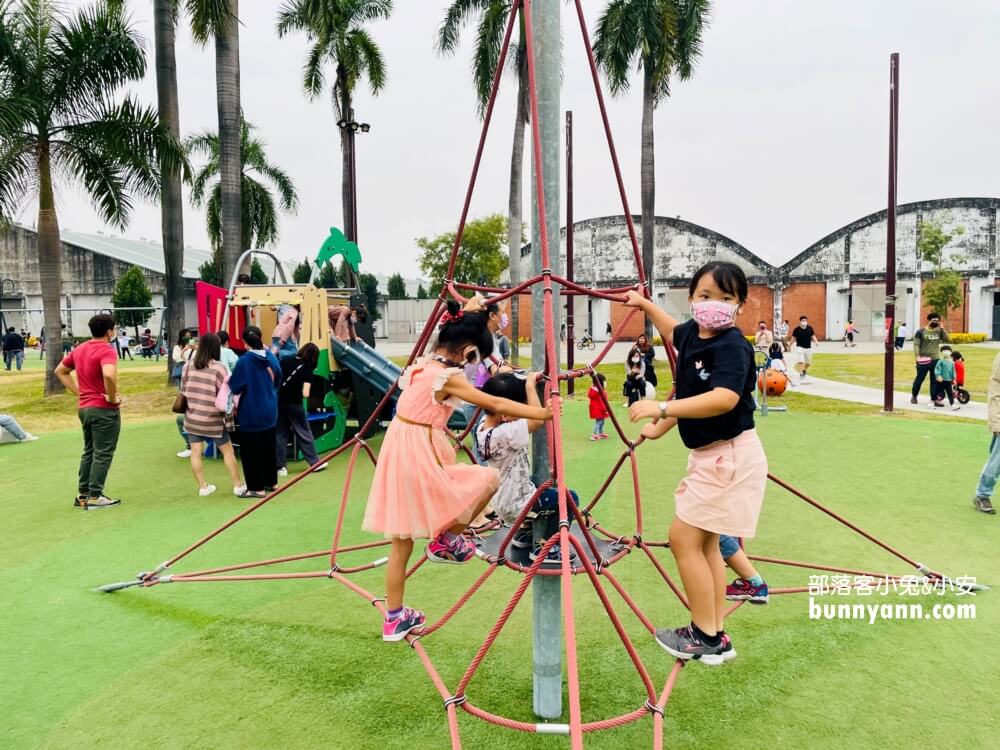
598	549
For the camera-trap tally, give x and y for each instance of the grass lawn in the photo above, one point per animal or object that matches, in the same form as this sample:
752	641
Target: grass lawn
299	664
867	369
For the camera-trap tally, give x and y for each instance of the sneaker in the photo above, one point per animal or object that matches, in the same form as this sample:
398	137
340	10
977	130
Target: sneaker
455	552
939	404
913	399
240	490
741	590
282	472
80	501
398	628
322	467
207	490
595	437
685	645
522	537
603	435
728	652
956	407
983	505
28	437
186	453
99	503
555	553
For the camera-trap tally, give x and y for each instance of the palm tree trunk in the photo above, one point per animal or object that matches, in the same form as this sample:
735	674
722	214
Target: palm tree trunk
227	87
515	203
172	214
648	182
50	259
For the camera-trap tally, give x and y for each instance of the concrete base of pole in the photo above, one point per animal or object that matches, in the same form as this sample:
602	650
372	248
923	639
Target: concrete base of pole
546	595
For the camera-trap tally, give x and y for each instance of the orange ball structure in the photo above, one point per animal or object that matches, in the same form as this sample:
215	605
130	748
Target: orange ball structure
776	382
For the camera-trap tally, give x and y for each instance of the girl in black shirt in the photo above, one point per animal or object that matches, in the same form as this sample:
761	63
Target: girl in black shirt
295	386
727	470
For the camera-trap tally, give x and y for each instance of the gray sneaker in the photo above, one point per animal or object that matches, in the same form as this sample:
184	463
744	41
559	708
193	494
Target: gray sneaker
683	644
983	505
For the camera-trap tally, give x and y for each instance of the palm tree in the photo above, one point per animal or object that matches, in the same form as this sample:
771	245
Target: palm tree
62	117
259	214
218	20
172	208
490	17
661	38
336	34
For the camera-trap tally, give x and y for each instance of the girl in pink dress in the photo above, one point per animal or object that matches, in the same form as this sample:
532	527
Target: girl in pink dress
419	491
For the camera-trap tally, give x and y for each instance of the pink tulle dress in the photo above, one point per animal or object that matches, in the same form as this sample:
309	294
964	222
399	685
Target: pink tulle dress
419	490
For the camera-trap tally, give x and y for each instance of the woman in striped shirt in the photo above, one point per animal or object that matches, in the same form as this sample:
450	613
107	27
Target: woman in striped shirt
201	380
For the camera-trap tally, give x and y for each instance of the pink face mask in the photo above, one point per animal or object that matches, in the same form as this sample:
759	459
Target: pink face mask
714	315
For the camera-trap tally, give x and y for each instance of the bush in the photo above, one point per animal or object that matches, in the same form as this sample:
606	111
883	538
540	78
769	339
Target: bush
967	338
657	341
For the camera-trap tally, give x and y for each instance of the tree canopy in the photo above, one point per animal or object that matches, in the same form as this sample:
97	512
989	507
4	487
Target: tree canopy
397	286
482	256
132	291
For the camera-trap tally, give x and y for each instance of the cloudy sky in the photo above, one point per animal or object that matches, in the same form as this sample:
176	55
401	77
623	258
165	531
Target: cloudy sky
779	139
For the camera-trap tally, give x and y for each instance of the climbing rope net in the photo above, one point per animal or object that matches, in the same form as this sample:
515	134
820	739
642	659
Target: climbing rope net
597	549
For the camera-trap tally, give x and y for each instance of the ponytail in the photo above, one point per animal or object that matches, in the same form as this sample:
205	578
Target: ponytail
252	335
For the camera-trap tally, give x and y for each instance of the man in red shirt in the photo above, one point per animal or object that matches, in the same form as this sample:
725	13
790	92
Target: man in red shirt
96	385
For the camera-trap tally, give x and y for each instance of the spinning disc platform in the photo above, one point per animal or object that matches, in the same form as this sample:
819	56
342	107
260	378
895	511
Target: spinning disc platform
517	557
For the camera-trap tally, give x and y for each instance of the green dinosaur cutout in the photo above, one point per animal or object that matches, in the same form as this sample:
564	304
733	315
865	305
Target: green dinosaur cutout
338	244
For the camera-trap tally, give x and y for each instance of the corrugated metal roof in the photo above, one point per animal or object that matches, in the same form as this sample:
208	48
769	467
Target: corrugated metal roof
142	253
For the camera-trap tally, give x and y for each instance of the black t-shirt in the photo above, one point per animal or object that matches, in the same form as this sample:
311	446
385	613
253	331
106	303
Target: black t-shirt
803	336
12	342
294	373
723	361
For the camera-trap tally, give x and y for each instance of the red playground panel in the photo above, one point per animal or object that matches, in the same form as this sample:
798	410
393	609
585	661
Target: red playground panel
211	307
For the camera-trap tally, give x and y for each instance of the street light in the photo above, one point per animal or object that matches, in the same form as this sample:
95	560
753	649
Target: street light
349	125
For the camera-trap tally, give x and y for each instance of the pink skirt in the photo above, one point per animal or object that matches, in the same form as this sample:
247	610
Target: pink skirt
724	486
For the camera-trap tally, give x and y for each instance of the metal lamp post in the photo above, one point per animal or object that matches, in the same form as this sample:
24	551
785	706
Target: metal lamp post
351	219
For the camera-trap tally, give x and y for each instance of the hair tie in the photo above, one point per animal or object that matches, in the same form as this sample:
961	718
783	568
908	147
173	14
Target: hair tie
449	318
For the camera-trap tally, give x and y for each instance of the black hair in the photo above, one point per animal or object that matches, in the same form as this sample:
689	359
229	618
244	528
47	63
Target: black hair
181	334
209	349
762	321
468	330
100	324
223	337
10	330
946	346
507	385
309	354
244	278
806	317
955	354
252	335
601	378
729	277
932	315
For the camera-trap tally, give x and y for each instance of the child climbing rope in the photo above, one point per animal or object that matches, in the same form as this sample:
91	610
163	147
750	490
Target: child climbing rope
503	443
419	491
727	470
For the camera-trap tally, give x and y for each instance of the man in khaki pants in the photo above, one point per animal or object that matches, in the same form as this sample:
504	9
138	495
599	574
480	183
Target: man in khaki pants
96	385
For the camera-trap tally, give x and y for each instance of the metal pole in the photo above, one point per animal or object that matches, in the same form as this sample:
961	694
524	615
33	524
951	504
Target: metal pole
890	245
352	233
570	301
546	591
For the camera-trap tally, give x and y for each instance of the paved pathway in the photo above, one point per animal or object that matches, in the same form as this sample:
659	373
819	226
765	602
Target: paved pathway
864	395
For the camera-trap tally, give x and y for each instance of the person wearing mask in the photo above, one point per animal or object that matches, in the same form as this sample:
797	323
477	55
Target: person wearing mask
201	380
227	356
763	338
183	353
926	352
296	385
123	342
13	349
805	337
648	353
255	380
95	363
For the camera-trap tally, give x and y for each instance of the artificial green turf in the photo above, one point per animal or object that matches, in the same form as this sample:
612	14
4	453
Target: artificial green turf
299	664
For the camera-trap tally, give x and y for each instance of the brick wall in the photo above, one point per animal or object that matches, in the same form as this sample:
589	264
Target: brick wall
759	306
635	327
805	298
958	318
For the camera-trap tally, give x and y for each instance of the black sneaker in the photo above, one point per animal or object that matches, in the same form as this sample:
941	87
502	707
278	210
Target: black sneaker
913	399
80	501
683	644
984	505
728	652
555	554
522	537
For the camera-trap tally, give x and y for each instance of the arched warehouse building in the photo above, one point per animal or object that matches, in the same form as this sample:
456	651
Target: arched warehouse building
840	277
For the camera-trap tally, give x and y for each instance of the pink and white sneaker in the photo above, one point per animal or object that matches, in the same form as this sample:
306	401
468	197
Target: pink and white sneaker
455	552
398	628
